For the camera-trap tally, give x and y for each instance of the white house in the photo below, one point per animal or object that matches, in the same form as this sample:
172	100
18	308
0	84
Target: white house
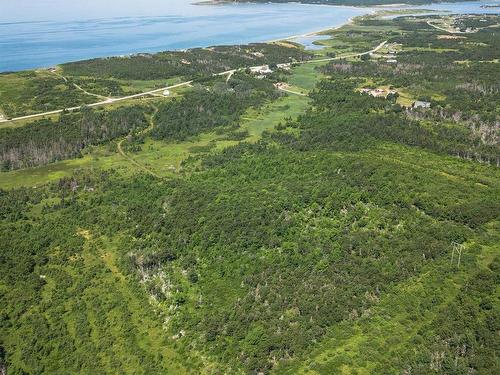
262	70
421	104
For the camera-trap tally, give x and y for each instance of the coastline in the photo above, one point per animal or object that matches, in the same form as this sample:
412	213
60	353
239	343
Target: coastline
375	10
224	2
45	58
365	10
317	32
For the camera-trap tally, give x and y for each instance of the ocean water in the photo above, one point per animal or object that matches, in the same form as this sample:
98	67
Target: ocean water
308	41
43	33
475	7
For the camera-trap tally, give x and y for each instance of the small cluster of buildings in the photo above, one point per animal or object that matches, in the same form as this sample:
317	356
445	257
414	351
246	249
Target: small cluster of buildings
384	93
378	93
285	66
262	71
390	55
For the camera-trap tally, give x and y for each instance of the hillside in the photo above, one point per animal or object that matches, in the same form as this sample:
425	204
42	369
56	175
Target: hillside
334	212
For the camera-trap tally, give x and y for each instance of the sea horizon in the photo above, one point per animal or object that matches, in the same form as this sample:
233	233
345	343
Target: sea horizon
77	35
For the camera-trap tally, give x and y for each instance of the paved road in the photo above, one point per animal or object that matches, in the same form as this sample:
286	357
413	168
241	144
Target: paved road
146	93
443	29
458	31
104	102
346	56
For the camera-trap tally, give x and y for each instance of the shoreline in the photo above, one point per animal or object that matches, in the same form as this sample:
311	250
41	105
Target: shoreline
374	12
317	32
223	2
229	2
368	10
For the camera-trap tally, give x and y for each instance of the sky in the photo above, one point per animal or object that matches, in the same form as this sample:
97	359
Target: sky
54	10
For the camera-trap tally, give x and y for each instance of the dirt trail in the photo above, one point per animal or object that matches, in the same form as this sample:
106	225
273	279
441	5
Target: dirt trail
90	93
292	92
79	87
132	160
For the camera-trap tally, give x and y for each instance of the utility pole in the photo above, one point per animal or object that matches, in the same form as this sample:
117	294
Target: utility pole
458	248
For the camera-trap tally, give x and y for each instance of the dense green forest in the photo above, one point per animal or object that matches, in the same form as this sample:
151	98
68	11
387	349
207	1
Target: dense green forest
91	81
46	141
358	237
197	62
205	108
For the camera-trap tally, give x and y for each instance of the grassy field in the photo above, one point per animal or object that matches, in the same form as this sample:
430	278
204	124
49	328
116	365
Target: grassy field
164	158
305	76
